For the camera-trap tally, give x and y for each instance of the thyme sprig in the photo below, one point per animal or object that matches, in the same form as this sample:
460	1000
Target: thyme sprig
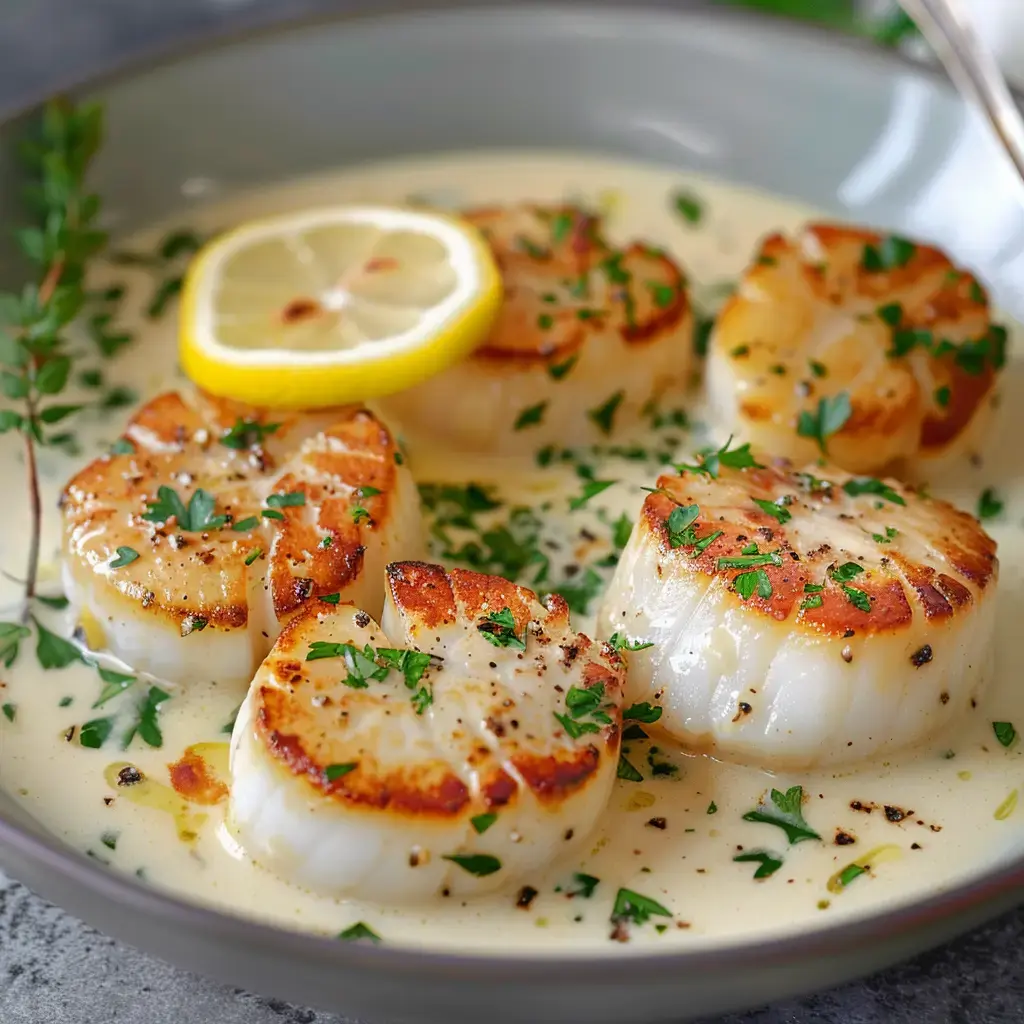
35	358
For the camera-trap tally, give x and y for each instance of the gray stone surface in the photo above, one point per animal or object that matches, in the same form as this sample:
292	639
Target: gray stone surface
56	970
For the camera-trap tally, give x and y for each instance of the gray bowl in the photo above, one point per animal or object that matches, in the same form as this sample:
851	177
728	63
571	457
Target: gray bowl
853	130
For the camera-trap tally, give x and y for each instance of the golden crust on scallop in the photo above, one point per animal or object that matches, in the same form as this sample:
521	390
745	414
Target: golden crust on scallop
841	314
564	283
183	575
821	549
489	729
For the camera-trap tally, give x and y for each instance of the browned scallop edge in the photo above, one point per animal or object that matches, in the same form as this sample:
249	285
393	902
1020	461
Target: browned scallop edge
939	595
337	567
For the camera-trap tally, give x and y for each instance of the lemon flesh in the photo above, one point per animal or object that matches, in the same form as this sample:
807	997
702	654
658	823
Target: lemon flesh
335	305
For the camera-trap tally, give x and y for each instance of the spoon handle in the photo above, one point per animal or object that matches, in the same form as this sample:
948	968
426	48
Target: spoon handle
949	28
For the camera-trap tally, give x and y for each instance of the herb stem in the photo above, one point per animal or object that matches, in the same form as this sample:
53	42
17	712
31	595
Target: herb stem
35	506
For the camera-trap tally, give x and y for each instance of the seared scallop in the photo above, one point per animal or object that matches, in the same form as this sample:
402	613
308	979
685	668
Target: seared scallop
802	618
210	524
872	348
588	335
460	748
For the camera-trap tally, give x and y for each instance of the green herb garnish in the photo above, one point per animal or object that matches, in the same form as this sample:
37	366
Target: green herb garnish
767	864
604	415
479	864
530	416
482	822
248	434
196	517
889	253
622	643
359	932
872	485
334	772
990	504
830	417
632	906
499	629
785	811
1005	733
125	556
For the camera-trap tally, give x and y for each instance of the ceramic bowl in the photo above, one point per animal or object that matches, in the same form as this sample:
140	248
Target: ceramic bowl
853	130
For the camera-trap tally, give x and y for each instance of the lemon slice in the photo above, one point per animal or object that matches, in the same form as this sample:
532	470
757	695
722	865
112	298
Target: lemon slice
335	305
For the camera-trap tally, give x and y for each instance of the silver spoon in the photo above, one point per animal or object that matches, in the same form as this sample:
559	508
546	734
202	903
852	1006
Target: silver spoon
949	28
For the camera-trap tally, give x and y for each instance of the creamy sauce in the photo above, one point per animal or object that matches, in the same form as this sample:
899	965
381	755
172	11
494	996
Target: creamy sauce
671	837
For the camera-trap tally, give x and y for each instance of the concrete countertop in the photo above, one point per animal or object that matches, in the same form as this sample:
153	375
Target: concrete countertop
54	969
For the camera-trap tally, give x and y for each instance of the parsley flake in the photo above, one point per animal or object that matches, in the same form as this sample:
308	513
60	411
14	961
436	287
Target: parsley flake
773	508
125	556
9	710
990	504
11	635
632	906
604	415
622	643
247	434
292	499
785	811
359	932
586	885
767	864
1005	733
756	582
642	712
196	517
530	416
831	416
479	864
558	371
591	488
499	629
689	207
627	771
710	462
482	822
53	651
337	771
890	253
872	485
147	726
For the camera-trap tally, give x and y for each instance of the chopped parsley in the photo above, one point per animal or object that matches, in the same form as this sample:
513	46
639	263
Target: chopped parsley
847	875
776	509
370	665
244	525
887	537
990	504
643	712
557	371
604	415
623	643
11	635
147	724
831	416
1005	733
712	808
591	488
767	864
815	600
478	864
680	525
292	499
942	396
53	651
627	771
196	517
499	629
662	294
749	559
785	811
95	733
858	598
125	556
337	771
360	514
253	555
582	704
819	370
330	598
359	932
632	906
846	572
116	684
586	884
482	822
621	529
889	253
710	462
530	416
688	206
756	582
9	710
58	601
247	434
872	485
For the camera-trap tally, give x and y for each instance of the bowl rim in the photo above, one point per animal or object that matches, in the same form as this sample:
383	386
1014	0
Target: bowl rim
989	891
